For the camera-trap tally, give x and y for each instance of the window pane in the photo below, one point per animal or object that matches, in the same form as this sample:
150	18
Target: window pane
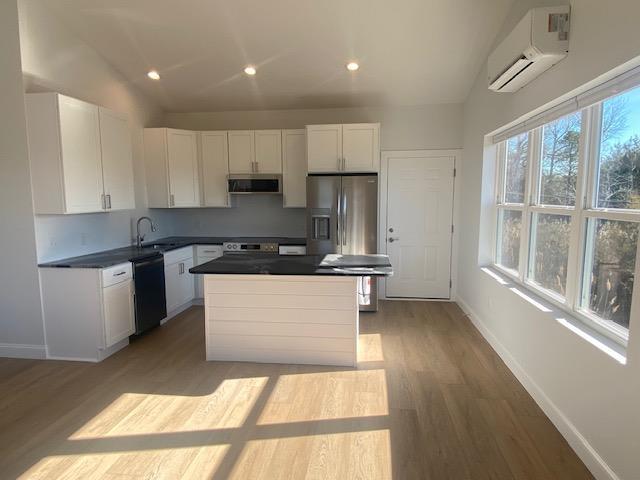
551	251
612	260
509	227
619	169
559	163
516	167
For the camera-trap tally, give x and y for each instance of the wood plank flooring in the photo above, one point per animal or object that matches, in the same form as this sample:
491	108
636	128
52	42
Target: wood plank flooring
429	400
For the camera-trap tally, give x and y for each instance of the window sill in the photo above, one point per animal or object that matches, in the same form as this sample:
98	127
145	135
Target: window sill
602	342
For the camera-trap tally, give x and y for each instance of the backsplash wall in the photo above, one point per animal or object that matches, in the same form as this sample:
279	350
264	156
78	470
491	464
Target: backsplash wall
250	215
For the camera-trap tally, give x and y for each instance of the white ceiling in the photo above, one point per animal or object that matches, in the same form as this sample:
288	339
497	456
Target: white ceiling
411	52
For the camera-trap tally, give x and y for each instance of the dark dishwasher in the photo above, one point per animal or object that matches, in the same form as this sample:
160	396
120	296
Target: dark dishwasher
150	297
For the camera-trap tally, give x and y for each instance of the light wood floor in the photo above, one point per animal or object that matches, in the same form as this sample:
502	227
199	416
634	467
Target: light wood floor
430	400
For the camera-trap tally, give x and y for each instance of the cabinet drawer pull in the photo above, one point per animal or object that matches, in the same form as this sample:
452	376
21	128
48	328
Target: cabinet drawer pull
118	274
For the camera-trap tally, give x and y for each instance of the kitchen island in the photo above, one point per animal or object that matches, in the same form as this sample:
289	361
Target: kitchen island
274	309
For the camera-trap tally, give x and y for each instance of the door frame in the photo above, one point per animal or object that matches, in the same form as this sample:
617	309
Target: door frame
385	158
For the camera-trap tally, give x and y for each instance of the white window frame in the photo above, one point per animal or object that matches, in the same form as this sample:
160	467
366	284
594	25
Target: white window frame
582	216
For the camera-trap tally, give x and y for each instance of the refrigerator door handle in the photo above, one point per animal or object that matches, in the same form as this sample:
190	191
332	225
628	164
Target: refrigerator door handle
344	218
338	216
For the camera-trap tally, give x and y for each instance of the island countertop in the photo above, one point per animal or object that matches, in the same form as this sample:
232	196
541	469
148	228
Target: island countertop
256	264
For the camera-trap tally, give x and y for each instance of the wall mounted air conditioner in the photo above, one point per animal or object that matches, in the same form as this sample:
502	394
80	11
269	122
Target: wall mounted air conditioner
539	41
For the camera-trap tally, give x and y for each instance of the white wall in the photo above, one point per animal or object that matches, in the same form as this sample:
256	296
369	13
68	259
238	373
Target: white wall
593	399
54	59
402	128
20	313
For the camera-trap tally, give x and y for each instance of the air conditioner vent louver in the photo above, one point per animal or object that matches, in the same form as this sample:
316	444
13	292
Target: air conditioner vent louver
538	41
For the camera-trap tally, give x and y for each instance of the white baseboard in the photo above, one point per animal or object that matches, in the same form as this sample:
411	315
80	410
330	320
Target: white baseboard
15	350
181	309
594	462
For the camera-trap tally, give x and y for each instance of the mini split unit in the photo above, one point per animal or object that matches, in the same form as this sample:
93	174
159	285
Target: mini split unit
539	41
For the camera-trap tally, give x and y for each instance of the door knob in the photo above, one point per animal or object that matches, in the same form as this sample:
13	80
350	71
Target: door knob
391	239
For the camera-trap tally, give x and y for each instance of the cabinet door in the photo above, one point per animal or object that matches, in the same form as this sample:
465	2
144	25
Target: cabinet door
242	155
117	160
294	168
268	145
324	148
182	159
179	284
361	147
119	320
82	165
206	253
215	168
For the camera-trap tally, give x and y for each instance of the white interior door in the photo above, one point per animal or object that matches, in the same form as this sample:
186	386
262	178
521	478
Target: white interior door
419	224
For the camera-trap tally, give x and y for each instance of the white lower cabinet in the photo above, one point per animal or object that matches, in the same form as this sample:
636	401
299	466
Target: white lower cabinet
204	254
179	283
88	312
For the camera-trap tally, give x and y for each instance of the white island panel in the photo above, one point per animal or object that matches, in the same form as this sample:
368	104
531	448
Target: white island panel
282	319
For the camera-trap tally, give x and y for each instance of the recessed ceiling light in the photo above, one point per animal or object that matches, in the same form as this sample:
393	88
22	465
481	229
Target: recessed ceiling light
153	75
352	66
249	70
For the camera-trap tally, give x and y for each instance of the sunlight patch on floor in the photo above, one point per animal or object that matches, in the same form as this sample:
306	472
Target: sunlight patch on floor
326	395
139	413
192	463
370	347
359	454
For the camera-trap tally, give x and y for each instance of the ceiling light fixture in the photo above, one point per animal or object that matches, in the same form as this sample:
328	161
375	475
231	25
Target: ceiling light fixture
352	66
249	70
153	75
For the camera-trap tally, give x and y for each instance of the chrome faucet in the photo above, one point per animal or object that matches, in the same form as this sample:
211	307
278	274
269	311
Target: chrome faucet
140	238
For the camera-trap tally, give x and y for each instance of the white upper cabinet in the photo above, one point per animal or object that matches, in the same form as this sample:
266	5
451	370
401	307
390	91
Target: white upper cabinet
242	153
346	148
215	168
268	148
64	152
171	164
117	160
361	147
182	160
324	148
294	168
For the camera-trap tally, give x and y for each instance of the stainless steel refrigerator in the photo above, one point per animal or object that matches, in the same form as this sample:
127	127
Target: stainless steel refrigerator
342	217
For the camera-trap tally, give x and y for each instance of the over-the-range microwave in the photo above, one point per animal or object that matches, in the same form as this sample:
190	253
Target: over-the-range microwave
254	183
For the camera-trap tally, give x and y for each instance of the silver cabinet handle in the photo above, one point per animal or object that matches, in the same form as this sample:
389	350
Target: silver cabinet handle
118	274
344	164
257	167
339	163
172	201
103	201
109	201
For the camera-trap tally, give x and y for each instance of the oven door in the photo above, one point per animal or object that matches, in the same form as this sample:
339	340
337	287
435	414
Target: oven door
255	183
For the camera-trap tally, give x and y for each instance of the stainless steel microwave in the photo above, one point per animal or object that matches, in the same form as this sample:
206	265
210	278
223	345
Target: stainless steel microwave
255	183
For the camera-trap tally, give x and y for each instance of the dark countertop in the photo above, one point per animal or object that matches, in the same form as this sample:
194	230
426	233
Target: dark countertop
255	263
109	258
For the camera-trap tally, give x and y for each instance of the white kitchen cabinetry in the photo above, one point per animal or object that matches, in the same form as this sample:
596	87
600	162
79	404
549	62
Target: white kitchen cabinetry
268	147
204	254
171	164
179	283
117	160
242	153
255	151
214	157
80	156
294	168
96	320
349	148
